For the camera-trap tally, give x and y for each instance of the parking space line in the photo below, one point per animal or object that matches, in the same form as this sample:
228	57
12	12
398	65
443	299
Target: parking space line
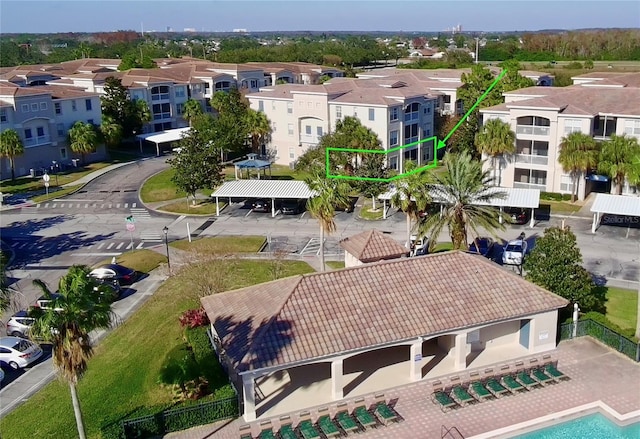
110	245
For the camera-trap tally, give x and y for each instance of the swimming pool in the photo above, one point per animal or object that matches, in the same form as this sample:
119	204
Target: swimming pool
594	426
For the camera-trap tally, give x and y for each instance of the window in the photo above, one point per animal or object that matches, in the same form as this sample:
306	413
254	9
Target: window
58	108
60	129
34	107
412	112
355	111
566	184
319	131
632	127
180	92
3	115
273	105
90	121
393	138
290	129
180	109
273	127
73	106
410	133
289	107
161	111
427	132
394	114
25	108
393	163
338	112
372	114
307	130
28	134
40	131
43	106
572	126
222	86
292	153
137	95
87	104
254	83
63	153
161	92
261	106
317	105
309	104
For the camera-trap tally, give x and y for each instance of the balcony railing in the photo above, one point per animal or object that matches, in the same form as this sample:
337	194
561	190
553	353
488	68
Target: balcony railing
161	116
532	130
35	141
532	159
408	117
520	185
309	139
160	97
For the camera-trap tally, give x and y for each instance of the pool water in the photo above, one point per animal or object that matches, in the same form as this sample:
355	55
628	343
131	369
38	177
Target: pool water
594	426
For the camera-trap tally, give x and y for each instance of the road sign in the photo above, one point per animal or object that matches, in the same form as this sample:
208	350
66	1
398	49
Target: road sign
130	219
46	178
46	183
131	227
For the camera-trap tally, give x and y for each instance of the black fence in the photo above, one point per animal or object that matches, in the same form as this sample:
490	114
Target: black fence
600	332
180	418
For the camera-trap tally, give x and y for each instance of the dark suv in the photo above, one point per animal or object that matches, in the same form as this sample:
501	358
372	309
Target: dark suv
292	207
262	206
518	215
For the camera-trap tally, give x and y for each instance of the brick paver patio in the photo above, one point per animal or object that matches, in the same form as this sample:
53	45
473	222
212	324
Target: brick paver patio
597	374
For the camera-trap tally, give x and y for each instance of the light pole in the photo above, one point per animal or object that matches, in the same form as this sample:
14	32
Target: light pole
166	244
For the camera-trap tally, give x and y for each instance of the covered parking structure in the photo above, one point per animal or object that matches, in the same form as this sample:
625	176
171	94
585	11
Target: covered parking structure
624	205
515	197
266	189
162	137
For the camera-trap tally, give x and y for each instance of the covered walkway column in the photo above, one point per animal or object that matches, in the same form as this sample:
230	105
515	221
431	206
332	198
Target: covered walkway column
249	397
337	390
596	222
460	352
532	223
415	373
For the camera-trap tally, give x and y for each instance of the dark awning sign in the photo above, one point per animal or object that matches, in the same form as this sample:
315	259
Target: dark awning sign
595	177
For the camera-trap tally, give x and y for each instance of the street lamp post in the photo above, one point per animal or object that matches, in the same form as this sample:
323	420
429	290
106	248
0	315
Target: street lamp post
166	244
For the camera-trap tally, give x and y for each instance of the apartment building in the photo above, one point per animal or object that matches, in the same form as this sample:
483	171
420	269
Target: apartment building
598	104
399	110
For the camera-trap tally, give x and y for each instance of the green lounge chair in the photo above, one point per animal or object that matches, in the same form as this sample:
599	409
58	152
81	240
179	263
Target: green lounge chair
346	422
541	377
551	370
327	426
479	391
525	379
444	400
308	431
245	432
384	413
267	434
461	395
495	387
287	432
365	418
510	383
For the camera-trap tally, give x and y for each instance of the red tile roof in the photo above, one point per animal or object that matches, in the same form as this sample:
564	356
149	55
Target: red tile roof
319	315
372	246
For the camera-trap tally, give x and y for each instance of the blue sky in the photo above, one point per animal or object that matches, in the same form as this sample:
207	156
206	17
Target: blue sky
267	15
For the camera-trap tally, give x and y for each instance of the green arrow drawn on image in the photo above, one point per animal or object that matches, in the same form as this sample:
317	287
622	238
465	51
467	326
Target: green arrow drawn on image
442	143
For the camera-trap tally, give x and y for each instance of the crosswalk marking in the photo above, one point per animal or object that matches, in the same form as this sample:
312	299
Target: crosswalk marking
134	205
98	248
37	205
86	205
150	237
129	246
139	212
126	205
54	205
119	246
139	246
100	245
110	245
118	206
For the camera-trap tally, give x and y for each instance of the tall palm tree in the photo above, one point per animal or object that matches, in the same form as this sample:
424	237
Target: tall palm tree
616	158
111	131
10	147
411	196
259	128
83	138
496	139
465	191
578	154
143	113
330	192
191	110
67	323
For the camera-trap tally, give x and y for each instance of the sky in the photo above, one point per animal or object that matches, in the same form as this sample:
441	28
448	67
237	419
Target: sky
37	16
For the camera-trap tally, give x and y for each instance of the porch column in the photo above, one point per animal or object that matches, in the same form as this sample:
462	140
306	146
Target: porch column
217	207
500	215
337	391
596	220
249	397
384	209
415	374
273	208
460	352
532	223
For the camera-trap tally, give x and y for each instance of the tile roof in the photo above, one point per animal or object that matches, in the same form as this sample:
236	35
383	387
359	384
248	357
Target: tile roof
306	317
372	246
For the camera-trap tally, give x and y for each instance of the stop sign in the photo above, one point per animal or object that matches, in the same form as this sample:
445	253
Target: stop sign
131	227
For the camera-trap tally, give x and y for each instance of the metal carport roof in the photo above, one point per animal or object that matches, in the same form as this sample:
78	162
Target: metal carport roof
616	205
516	197
163	137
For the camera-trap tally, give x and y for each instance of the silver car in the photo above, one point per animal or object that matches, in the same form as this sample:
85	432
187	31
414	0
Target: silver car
17	352
19	323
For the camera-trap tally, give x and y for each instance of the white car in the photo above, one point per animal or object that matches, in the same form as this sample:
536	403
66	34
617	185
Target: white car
514	252
17	352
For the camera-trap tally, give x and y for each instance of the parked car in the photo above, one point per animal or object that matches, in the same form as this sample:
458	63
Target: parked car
483	246
419	246
124	275
514	252
518	214
44	302
262	206
1	375
17	352
432	209
111	287
18	324
292	207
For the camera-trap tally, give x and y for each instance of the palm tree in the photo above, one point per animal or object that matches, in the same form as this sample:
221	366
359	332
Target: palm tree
578	153
67	323
111	131
496	139
465	190
330	192
191	110
411	196
616	158
259	128
83	138
143	112
10	147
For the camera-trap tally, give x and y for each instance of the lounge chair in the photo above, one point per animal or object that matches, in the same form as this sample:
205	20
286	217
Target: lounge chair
497	389
460	394
385	413
444	400
326	425
540	376
307	430
267	434
245	432
553	372
510	383
525	379
479	391
346	422
365	418
287	432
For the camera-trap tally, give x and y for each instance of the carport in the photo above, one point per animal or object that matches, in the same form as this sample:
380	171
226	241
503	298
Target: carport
162	137
269	189
615	205
516	197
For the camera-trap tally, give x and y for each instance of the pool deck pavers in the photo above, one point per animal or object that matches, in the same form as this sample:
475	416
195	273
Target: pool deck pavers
597	374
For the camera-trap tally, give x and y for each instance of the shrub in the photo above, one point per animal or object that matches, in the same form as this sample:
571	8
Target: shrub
179	367
604	321
194	318
575	65
552	196
206	358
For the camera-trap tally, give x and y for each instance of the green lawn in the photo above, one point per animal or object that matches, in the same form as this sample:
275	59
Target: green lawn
336	265
367	212
122	376
203	207
622	307
160	188
28	184
222	245
143	261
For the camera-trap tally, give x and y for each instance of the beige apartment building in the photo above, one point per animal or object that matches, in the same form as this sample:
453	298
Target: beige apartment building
598	104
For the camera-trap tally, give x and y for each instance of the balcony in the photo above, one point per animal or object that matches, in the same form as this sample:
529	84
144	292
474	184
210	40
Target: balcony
532	159
409	117
160	97
161	116
37	141
520	185
310	139
532	130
